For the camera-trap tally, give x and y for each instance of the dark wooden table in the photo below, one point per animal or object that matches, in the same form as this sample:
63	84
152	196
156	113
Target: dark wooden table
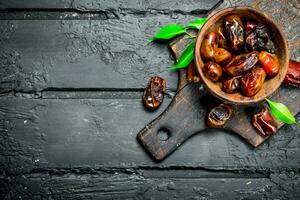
72	77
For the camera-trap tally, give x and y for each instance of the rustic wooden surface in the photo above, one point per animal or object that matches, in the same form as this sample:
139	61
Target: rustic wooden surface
72	75
191	106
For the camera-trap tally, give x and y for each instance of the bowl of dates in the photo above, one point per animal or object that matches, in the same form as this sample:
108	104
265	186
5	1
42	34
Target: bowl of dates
241	55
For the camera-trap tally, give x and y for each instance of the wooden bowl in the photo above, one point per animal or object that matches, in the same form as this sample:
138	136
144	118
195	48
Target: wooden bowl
278	38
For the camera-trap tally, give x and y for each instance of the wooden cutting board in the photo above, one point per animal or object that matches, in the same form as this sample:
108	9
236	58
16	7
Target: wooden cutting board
186	115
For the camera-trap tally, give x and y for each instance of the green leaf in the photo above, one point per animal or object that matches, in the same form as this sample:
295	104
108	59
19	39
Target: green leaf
168	32
197	23
281	112
186	57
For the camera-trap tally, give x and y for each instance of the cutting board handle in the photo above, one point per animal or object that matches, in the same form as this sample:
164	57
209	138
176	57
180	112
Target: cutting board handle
157	136
183	118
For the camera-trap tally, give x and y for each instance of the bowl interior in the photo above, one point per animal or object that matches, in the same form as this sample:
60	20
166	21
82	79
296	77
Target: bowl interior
249	14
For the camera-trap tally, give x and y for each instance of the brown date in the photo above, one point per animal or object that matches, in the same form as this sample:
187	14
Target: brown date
264	122
208	46
231	85
213	71
241	64
234	31
210	51
250	26
251	42
293	74
219	115
222	42
269	62
264	41
221	56
154	93
253	81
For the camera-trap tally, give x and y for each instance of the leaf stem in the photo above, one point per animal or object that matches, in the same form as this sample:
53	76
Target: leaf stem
191	36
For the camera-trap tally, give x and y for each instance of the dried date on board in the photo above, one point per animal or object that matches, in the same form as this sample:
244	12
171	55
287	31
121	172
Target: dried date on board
154	93
264	122
219	115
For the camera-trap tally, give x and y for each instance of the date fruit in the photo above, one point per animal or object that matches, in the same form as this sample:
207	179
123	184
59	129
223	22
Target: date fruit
241	64
269	62
264	122
231	85
221	56
251	42
213	71
262	31
154	93
219	115
208	46
250	26
293	74
264	41
235	32
253	81
222	42
210	51
251	38
269	46
258	38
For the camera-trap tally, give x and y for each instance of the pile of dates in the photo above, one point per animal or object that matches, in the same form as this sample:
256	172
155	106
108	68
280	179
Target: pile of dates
240	56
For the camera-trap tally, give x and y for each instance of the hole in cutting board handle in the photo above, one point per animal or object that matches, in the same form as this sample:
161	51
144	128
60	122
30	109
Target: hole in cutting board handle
163	134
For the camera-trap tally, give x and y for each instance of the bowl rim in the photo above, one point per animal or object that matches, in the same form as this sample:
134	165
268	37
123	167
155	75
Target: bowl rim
199	62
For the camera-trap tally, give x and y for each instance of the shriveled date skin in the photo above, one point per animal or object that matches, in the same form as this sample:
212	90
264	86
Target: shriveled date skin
213	71
222	41
210	51
250	26
264	122
231	85
293	74
219	115
251	42
253	81
264	41
241	64
251	38
235	32
154	93
258	38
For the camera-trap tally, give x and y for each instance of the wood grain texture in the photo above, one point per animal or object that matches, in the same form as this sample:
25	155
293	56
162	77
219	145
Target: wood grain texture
139	6
66	133
133	185
42	154
189	109
41	54
185	108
